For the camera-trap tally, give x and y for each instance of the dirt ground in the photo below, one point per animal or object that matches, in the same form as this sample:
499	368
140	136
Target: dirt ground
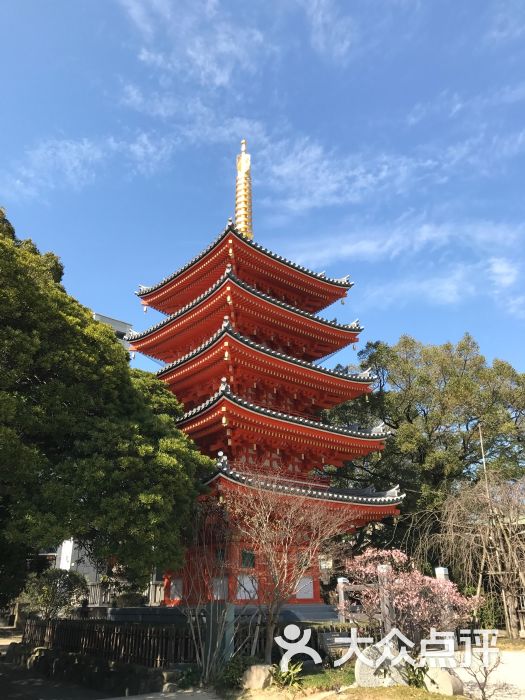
354	694
507	682
17	683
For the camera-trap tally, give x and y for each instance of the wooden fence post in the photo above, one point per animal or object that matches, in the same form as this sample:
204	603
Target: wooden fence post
388	618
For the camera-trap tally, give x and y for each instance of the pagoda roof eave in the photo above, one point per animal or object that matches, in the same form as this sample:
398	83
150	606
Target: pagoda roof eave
365	497
227	329
231	230
355	326
226	393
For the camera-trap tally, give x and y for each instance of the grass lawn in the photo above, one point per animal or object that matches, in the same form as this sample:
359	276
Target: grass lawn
334	678
329	678
506	644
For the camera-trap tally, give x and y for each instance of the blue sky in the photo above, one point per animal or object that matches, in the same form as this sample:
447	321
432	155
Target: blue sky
387	141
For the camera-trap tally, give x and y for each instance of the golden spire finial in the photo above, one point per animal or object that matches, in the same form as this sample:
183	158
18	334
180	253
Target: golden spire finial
243	193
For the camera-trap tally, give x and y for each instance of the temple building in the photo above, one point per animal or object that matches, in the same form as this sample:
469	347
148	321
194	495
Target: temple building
241	340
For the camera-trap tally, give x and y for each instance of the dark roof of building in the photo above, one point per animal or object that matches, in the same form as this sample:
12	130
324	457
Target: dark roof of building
231	230
228	274
226	329
379	433
368	496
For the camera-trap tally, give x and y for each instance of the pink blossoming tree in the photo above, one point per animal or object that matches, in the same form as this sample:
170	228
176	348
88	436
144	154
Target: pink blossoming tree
419	602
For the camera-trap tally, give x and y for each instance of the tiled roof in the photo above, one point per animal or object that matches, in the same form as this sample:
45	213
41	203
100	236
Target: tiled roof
365	377
368	497
379	433
228	274
231	230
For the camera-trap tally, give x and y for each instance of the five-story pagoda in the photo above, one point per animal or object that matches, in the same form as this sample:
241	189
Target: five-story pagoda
240	341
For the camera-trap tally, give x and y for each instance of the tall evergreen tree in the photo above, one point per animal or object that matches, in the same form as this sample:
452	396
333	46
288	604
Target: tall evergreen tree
434	398
89	448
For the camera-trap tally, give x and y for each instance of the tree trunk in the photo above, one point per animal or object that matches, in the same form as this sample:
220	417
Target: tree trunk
255	640
388	621
506	612
268	646
271	624
514	623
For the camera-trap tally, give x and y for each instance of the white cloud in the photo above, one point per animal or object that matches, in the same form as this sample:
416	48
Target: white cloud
215	57
293	174
56	164
204	128
408	236
196	40
139	14
510	94
503	272
341	30
506	21
439	263
303	175
157	104
201	46
148	152
516	306
508	145
333	34
296	174
193	121
445	104
453	284
449	105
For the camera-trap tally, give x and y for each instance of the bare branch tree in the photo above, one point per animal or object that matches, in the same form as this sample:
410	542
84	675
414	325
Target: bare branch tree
287	533
481	673
205	593
480	533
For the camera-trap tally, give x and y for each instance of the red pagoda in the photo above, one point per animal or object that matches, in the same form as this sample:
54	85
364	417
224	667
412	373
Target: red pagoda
240	341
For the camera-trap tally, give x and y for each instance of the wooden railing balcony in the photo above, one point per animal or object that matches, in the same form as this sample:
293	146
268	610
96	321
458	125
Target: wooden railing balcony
155	593
100	595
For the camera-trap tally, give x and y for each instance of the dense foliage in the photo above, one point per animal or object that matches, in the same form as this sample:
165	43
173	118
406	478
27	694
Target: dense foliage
433	399
54	592
89	448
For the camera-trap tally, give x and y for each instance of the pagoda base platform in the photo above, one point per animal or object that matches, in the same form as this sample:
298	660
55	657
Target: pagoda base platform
305	612
293	612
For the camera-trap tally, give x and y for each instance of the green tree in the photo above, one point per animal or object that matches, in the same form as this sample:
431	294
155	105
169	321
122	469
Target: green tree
140	503
434	398
89	449
54	593
13	569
